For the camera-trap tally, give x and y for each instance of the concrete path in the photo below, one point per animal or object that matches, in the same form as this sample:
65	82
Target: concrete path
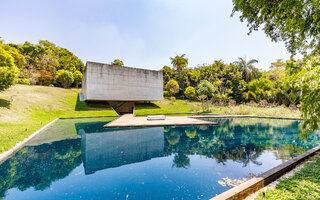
128	120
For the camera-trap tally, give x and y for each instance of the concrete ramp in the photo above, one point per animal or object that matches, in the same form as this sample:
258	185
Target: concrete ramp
128	120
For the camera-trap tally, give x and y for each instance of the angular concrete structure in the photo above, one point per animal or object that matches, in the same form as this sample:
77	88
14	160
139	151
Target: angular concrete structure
104	82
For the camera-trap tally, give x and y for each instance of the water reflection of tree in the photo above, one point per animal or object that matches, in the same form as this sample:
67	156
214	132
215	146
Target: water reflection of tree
181	160
240	140
39	166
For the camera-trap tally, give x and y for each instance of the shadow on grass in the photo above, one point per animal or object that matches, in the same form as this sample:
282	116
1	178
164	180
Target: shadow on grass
146	106
5	103
97	106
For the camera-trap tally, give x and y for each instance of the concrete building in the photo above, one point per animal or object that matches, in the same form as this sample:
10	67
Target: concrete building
104	82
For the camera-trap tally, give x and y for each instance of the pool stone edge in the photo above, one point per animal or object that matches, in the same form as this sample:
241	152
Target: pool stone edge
249	187
5	155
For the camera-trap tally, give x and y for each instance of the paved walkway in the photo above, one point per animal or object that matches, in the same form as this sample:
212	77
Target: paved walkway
128	120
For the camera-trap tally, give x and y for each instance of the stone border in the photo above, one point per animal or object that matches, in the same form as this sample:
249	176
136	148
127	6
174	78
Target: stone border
245	189
5	155
204	115
88	117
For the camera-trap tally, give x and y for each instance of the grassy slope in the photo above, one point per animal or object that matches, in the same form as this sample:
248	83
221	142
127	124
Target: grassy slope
180	106
304	184
25	109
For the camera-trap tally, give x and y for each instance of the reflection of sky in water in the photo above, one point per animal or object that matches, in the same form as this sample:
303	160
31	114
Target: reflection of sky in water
148	163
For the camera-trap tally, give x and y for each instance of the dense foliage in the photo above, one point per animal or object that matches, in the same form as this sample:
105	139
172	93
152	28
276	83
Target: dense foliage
8	70
38	64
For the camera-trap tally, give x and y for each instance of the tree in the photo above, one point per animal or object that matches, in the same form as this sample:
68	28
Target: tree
294	22
117	62
205	88
249	72
19	59
310	85
65	78
77	75
179	62
259	89
8	70
173	87
45	77
190	92
168	74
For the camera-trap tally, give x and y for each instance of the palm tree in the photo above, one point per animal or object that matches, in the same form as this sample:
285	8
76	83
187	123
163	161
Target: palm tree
179	62
248	71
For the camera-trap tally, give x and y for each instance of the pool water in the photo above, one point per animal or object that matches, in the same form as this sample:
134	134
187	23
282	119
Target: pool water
78	159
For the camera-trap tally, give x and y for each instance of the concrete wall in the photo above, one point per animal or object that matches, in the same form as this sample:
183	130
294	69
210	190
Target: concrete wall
115	83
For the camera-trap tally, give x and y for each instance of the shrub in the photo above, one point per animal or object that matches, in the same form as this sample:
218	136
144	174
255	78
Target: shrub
173	99
117	62
259	89
65	78
77	75
173	87
205	88
45	77
263	103
232	103
190	92
166	94
8	70
23	81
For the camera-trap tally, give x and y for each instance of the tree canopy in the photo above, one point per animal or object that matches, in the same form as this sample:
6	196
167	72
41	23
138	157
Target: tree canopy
37	64
296	22
117	62
8	70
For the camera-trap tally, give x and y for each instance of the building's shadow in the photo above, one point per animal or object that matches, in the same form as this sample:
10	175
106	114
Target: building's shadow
83	106
5	103
146	105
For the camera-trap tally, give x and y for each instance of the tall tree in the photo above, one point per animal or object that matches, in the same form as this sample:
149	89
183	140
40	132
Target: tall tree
295	22
249	72
8	70
179	62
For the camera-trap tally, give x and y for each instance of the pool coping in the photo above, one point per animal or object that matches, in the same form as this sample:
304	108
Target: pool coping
5	155
249	187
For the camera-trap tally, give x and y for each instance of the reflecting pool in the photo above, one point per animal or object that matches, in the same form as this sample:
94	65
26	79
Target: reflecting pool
78	159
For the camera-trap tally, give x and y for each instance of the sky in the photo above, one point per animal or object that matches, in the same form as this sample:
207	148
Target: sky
141	33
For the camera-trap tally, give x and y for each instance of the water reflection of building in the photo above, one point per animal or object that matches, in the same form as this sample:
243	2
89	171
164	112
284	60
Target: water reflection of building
102	149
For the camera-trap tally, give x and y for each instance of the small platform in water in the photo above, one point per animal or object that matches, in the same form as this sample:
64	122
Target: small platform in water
128	120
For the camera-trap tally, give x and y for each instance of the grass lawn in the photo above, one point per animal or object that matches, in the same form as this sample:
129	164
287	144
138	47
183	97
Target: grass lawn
24	109
304	184
181	106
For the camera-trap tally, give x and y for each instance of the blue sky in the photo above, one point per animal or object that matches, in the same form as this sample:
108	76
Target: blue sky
142	33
